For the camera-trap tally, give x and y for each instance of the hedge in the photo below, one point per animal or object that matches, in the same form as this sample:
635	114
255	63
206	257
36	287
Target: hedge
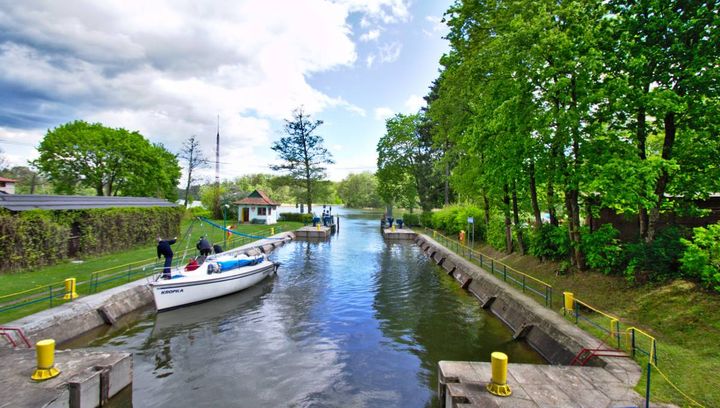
37	238
297	217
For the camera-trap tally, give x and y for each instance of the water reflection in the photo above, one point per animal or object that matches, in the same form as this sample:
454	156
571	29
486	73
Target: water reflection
352	321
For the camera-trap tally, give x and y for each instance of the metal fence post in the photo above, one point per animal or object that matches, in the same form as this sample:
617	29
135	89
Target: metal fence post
577	311
523	283
492	266
647	387
51	295
505	276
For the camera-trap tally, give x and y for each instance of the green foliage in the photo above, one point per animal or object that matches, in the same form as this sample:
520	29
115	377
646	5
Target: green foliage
453	219
411	220
110	161
199	212
701	259
655	261
602	249
406	154
426	219
297	217
550	242
495	235
359	191
38	238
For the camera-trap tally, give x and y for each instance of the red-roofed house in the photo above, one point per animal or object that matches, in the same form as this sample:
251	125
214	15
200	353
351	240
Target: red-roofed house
257	206
7	186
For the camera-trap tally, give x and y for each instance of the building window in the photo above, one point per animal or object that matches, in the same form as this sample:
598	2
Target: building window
262	211
269	210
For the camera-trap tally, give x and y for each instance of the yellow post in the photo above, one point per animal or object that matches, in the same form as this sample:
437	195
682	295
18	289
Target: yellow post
393	228
569	304
317	227
70	289
272	231
434	232
498	384
45	350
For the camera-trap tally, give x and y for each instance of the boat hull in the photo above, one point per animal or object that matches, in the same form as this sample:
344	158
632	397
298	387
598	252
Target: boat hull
172	293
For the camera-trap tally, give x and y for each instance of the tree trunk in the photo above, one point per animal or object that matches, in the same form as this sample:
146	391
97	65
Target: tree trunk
486	210
187	189
516	218
641	134
551	204
573	210
508	223
99	189
664	178
32	183
447	183
533	197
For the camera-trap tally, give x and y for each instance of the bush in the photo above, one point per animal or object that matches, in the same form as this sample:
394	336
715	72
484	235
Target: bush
656	261
701	259
550	242
453	219
602	249
495	235
199	212
411	220
426	219
296	217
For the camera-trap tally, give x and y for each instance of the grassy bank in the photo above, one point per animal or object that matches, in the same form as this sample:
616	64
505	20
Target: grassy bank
682	317
38	282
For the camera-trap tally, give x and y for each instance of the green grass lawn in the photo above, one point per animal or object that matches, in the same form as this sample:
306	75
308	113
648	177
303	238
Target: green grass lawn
117	268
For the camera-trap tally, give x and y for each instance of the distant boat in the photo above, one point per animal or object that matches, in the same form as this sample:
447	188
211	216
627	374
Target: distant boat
216	276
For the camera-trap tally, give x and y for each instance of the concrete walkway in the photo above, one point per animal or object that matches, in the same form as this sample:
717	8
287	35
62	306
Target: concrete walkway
535	386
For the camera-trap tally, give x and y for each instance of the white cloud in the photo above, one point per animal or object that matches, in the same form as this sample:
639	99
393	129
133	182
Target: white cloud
371	35
383	113
369	60
389	52
167	68
413	103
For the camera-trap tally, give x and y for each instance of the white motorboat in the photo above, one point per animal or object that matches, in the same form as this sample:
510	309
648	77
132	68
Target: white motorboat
216	276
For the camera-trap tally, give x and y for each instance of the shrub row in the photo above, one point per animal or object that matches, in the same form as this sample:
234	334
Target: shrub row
38	238
297	217
674	253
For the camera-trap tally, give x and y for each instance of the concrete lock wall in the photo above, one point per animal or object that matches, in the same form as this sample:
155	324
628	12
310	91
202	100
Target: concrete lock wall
556	339
70	320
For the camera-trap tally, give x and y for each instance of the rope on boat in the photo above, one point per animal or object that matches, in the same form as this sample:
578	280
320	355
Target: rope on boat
235	232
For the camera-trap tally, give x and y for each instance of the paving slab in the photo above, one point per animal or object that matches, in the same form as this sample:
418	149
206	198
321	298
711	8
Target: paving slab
462	384
79	382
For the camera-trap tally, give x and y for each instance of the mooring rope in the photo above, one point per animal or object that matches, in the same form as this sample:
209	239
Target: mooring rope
235	232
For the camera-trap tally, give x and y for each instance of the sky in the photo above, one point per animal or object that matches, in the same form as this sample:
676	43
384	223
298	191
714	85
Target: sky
170	68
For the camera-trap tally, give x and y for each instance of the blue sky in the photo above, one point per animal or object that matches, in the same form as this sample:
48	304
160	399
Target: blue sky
168	68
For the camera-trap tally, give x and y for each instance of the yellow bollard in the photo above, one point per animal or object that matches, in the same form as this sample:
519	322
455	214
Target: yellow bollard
318	227
498	384
70	289
272	231
45	350
569	304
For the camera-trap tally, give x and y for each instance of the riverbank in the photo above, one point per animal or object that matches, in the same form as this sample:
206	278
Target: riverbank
682	316
39	280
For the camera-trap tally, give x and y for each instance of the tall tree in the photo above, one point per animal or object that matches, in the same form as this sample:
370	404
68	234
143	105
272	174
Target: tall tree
359	191
194	159
111	161
302	154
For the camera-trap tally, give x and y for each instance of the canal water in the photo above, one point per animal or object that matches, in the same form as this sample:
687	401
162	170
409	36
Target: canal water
354	322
